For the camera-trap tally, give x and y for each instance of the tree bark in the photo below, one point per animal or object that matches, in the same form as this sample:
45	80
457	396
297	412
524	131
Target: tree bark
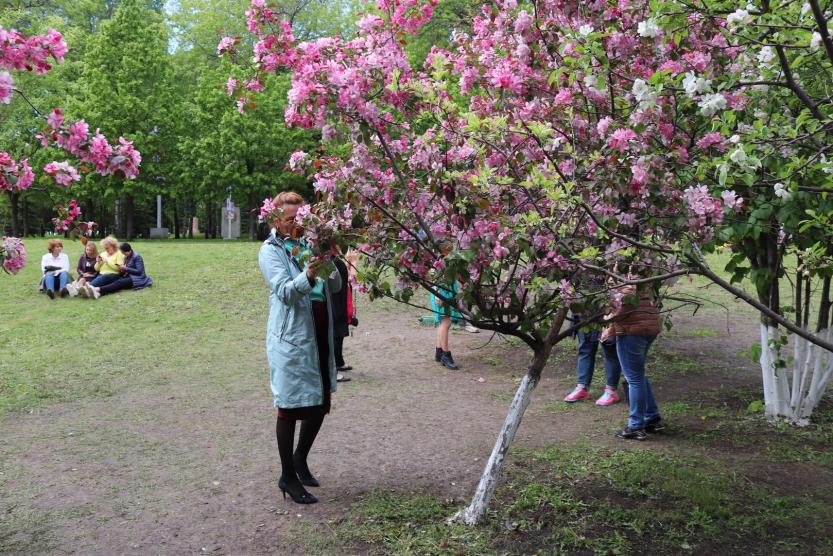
117	228
191	215
25	216
476	510
14	200
129	217
209	220
823	321
176	218
251	216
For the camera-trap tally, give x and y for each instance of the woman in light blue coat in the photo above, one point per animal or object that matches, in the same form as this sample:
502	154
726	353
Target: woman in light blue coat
299	346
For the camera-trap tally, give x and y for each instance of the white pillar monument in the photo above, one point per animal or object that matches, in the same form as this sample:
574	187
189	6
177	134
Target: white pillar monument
159	232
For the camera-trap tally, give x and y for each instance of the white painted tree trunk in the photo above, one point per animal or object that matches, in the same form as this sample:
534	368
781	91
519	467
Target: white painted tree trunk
476	511
794	398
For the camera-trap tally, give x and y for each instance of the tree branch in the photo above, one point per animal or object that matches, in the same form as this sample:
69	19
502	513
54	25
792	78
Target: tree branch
704	270
624	238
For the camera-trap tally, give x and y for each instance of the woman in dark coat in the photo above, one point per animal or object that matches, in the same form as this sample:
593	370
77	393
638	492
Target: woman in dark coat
341	319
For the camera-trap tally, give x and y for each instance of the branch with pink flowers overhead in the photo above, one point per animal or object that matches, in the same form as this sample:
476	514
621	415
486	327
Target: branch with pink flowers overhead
91	151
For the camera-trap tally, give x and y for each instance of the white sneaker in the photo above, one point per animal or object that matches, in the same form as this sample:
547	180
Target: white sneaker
72	289
96	293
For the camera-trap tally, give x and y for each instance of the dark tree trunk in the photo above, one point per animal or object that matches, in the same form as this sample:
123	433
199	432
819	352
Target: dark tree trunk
824	307
89	211
129	217
176	218
252	219
209	219
117	227
25	216
14	202
191	217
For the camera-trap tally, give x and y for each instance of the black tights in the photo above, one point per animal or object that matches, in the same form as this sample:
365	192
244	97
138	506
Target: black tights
294	463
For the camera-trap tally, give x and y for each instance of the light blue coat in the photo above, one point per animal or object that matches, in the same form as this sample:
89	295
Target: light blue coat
290	331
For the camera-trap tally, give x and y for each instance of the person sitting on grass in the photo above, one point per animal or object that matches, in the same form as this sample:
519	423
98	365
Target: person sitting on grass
55	267
107	265
85	268
132	275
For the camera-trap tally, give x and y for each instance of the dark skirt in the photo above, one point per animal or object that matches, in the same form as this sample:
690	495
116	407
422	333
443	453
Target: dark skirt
319	312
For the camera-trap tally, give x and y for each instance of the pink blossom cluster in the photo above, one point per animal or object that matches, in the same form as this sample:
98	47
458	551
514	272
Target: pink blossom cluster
76	139
298	161
493	189
269	212
6	87
14	175
18	52
13	254
63	173
66	216
86	228
704	211
408	15
227	45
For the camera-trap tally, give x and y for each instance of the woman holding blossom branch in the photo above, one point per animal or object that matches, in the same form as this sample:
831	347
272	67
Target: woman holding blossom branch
299	341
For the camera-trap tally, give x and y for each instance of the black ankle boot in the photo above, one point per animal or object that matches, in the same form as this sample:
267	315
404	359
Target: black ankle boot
448	361
438	355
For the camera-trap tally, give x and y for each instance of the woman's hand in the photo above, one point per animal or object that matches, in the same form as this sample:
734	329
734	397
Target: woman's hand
312	268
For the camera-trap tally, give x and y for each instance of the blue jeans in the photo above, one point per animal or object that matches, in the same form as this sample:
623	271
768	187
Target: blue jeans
104	279
588	344
632	351
50	282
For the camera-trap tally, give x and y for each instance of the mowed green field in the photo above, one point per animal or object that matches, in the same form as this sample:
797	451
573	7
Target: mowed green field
204	314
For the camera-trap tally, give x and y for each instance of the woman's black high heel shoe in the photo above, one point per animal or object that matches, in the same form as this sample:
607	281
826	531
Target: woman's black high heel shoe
302	497
305	476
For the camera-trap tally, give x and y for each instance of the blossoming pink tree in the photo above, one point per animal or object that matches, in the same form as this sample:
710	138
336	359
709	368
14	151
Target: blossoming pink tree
555	147
549	148
92	150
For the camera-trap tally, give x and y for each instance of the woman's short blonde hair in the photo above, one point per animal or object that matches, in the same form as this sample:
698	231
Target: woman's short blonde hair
109	240
53	243
288	198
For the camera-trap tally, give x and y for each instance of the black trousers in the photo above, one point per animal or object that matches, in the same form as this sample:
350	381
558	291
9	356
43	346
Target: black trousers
338	345
123	283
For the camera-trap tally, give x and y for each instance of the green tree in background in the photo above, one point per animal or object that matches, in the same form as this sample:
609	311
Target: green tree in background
127	86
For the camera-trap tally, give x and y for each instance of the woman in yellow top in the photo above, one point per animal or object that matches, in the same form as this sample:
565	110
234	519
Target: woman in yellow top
108	264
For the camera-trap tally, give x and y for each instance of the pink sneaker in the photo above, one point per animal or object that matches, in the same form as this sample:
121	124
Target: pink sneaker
610	397
580	393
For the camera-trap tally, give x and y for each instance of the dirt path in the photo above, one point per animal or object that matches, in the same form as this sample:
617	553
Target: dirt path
183	468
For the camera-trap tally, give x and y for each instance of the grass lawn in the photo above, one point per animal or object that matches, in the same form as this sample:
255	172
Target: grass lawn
198	318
